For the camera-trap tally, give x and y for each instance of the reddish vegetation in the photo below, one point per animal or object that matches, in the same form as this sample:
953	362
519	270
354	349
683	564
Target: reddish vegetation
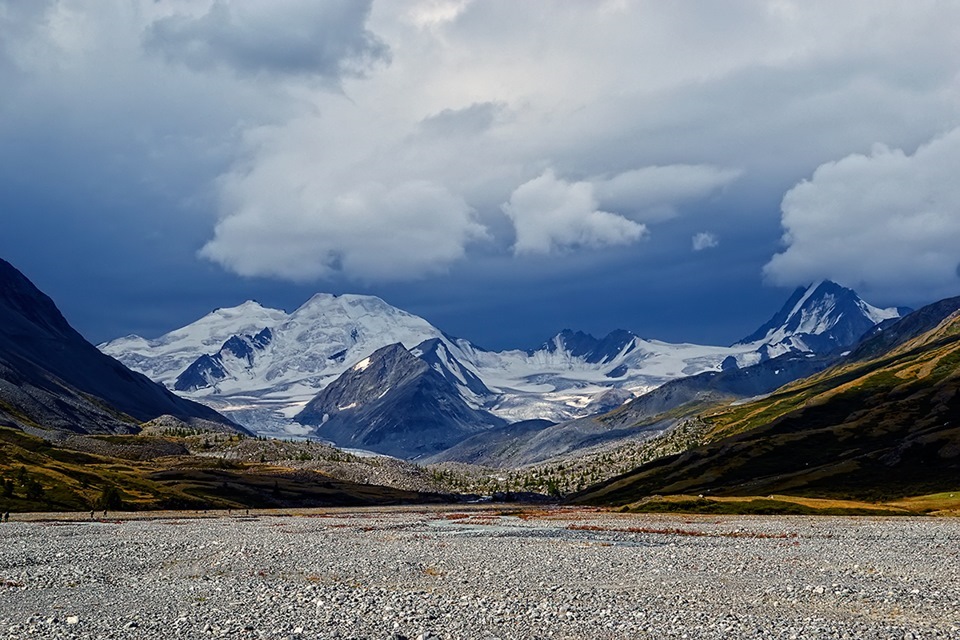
455	516
684	532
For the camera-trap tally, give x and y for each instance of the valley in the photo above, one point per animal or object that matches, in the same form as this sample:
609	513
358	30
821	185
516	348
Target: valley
463	320
804	410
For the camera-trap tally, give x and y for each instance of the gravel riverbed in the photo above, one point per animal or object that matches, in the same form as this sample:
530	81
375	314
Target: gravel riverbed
485	573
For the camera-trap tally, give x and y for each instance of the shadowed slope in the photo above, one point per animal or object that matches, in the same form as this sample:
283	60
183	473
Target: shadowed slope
52	378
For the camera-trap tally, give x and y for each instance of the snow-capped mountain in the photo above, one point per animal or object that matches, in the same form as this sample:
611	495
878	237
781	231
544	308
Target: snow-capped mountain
396	403
166	357
577	344
819	319
322	338
262	366
567	376
237	354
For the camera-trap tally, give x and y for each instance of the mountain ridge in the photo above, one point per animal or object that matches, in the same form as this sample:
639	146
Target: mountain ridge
563	379
51	377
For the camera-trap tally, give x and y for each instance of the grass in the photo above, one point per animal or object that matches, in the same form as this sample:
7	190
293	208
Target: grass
944	503
70	480
675	531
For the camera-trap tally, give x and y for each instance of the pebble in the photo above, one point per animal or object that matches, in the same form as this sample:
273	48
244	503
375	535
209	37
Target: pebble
449	573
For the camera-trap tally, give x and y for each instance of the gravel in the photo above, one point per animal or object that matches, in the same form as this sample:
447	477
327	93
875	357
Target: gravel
484	573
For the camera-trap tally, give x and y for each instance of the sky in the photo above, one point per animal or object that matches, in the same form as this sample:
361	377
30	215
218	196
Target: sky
504	169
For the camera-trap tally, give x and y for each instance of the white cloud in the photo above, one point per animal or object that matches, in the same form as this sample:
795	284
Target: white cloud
886	223
373	233
434	13
282	217
705	240
654	193
551	214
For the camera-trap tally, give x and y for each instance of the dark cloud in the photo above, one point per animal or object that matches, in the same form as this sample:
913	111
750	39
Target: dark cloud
133	133
474	119
326	39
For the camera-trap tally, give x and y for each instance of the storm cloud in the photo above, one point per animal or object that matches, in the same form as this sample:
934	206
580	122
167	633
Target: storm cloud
290	37
425	149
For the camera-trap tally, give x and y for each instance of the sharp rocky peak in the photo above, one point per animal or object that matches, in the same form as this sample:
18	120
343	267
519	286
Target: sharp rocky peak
584	345
823	316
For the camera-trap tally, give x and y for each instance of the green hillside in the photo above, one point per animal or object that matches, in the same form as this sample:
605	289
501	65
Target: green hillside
875	430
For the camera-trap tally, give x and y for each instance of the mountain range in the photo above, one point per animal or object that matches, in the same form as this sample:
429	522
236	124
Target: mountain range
800	407
271	370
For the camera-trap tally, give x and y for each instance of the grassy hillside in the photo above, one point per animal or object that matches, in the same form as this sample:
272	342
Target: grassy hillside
873	430
165	472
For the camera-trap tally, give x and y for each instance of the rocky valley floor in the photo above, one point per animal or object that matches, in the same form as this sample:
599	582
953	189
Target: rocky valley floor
492	572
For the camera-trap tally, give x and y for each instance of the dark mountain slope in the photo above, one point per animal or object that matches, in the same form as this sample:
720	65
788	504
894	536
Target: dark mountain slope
495	447
52	378
893	333
393	402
